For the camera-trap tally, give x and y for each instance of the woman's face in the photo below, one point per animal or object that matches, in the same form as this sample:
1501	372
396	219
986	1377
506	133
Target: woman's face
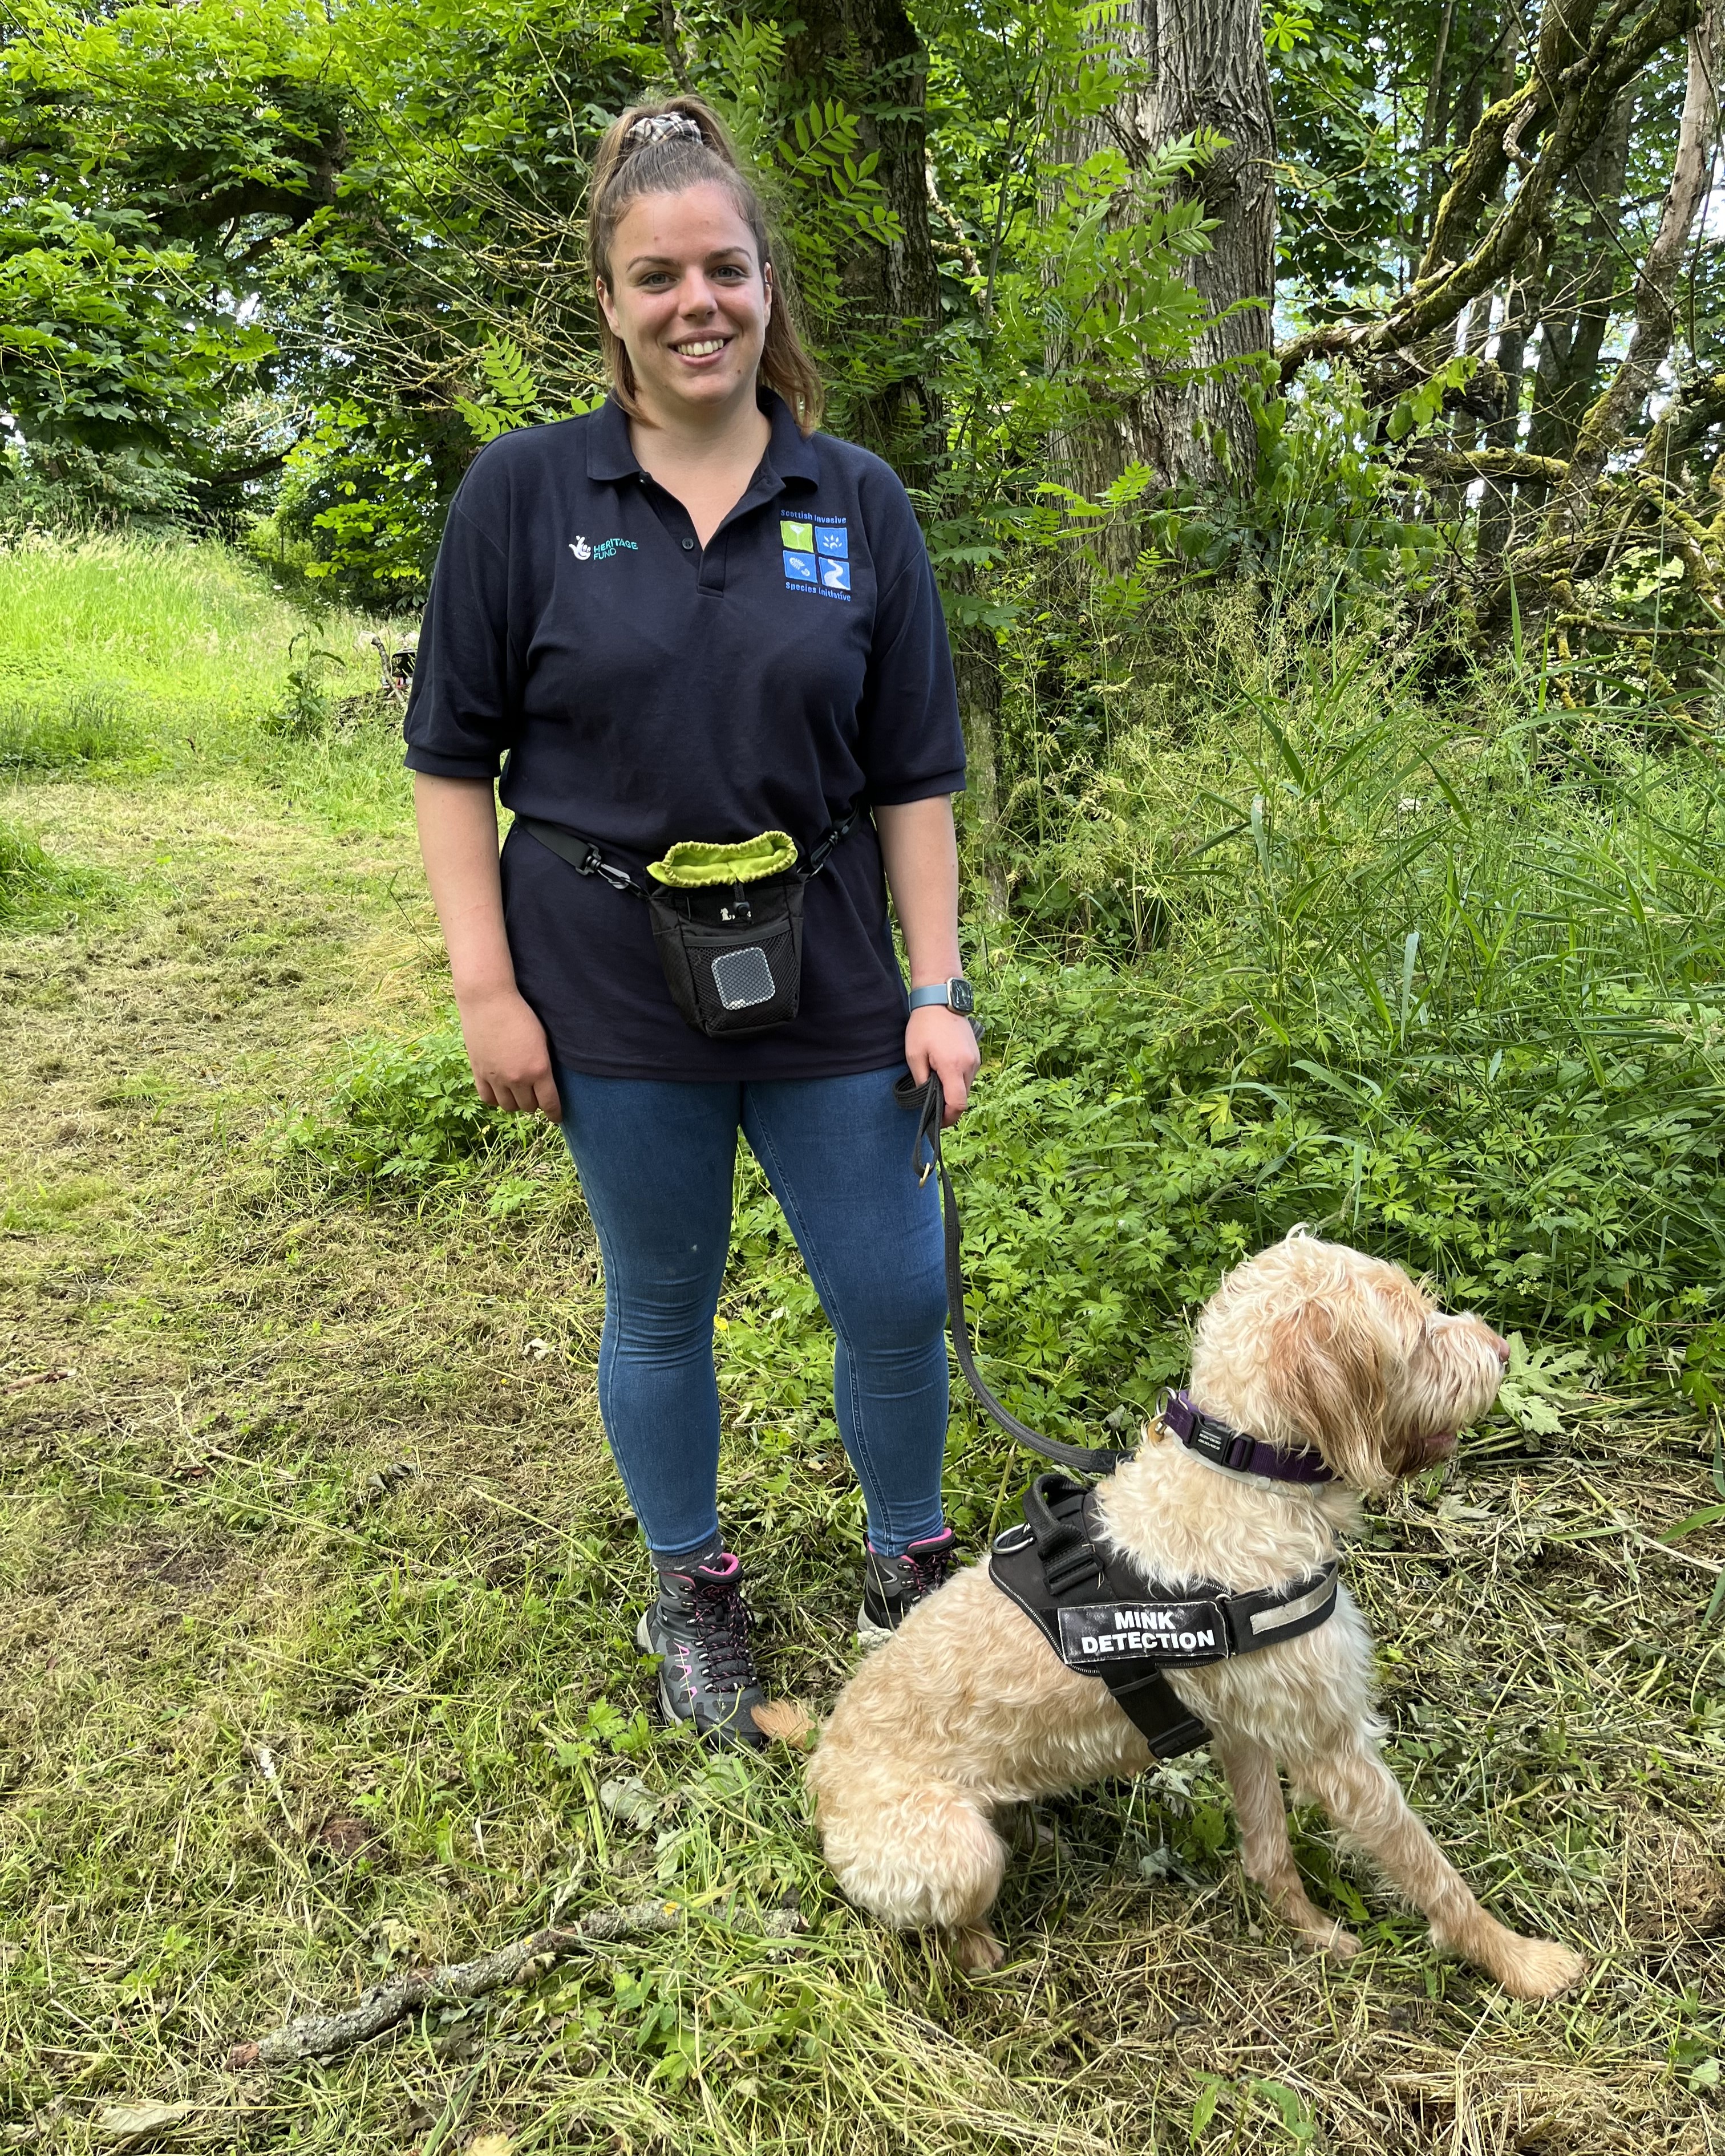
688	299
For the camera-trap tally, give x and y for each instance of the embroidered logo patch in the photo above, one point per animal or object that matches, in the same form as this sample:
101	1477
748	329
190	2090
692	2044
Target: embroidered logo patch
603	551
817	555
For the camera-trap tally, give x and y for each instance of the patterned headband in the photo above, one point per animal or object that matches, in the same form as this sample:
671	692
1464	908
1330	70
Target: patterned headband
665	127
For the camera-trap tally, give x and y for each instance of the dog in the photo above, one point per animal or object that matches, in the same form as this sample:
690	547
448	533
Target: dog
967	1710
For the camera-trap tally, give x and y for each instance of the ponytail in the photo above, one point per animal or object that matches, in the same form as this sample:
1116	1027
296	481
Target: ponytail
660	149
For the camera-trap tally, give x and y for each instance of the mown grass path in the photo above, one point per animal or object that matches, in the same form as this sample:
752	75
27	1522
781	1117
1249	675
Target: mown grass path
315	1593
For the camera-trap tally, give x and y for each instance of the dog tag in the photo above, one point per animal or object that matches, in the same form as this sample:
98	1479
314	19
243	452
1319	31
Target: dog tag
1097	1636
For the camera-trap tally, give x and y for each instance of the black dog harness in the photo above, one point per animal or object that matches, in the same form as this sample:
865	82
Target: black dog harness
1100	1614
1104	1620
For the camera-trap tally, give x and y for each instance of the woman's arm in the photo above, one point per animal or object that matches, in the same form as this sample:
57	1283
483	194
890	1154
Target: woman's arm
505	1043
920	855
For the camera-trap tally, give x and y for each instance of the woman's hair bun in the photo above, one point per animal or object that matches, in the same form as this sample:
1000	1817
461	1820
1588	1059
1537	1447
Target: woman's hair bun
665	127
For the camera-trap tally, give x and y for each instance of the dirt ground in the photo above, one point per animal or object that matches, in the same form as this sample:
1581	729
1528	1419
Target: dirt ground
314	1599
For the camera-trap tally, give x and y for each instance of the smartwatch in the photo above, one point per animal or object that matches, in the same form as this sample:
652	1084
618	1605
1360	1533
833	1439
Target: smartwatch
955	995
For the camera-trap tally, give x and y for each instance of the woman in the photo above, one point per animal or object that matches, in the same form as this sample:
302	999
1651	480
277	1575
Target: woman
688	617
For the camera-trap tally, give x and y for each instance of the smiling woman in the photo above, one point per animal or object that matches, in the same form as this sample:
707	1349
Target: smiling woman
707	639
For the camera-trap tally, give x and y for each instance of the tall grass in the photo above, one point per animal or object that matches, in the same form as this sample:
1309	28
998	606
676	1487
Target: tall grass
34	888
1454	990
173	627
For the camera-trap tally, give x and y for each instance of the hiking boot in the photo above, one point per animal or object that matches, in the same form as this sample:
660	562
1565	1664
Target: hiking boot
893	1586
699	1628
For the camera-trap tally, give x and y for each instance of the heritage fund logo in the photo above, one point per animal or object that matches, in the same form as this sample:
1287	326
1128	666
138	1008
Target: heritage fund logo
583	552
817	555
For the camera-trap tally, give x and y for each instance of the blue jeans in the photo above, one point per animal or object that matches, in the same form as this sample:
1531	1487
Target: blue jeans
656	1160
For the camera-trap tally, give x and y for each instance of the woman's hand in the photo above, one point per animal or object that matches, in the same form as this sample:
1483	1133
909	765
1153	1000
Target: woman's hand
505	1043
922	861
940	1041
510	1054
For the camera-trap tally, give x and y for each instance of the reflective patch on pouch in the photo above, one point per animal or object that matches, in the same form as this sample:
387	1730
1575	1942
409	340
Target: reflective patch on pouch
743	978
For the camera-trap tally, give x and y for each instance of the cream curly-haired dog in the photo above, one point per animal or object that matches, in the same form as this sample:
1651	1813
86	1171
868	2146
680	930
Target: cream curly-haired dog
967	1708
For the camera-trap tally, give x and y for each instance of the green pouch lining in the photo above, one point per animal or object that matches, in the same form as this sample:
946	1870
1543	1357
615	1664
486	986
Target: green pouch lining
693	862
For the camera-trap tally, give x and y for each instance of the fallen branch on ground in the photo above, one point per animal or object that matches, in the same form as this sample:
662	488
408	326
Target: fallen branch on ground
319	2036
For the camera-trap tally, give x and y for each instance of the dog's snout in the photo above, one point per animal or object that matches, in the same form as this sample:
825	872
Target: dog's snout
1500	1347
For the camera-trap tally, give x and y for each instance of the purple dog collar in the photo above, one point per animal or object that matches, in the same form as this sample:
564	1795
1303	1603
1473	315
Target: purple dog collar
1226	1447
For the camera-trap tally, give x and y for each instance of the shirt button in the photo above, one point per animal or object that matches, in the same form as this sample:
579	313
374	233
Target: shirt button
688	546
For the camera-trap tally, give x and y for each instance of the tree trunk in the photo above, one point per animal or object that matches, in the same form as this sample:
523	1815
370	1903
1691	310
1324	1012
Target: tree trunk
1198	63
1520	316
868	53
1208	68
1582	284
1611	415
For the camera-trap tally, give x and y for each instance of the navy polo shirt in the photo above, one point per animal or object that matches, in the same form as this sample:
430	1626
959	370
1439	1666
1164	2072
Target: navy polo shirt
640	689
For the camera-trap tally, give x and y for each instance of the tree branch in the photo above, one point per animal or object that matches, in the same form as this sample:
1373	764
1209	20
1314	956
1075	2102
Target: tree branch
319	2036
1456	467
1570	104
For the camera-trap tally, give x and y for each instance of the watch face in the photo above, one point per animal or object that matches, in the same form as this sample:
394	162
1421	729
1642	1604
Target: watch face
961	997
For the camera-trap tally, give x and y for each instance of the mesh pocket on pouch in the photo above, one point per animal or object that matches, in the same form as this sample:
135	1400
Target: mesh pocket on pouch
741	991
744	977
729	978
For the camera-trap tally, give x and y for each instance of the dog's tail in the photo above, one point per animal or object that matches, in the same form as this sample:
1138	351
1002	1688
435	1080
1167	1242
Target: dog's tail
789	1720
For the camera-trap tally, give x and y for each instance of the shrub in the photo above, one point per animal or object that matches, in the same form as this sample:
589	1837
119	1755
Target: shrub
408	1121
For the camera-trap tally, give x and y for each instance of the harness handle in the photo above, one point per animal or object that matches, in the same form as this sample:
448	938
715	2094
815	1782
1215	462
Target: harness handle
930	1102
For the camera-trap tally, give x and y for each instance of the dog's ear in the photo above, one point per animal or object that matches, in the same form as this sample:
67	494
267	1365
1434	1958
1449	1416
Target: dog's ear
1326	1376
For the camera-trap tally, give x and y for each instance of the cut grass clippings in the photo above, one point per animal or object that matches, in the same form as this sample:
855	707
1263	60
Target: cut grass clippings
315	1595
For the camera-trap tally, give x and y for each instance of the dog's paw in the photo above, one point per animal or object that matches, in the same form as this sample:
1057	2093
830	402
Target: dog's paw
977	1952
1540	1969
1336	1941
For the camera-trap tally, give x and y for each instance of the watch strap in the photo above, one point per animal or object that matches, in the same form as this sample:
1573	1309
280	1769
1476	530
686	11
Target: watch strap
937	992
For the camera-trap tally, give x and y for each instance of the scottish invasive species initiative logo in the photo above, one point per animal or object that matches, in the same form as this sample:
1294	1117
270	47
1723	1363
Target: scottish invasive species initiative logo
583	552
817	555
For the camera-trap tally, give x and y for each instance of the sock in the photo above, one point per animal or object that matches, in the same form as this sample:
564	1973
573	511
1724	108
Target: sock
709	1552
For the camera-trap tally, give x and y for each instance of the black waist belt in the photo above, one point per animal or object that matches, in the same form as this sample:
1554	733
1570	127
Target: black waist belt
1104	1620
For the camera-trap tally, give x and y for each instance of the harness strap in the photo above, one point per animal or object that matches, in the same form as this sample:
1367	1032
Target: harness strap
583	854
1052	1534
1053	1512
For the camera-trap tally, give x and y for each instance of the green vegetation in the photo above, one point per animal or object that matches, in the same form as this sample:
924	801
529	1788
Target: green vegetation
1343	847
111	642
315	1581
34	888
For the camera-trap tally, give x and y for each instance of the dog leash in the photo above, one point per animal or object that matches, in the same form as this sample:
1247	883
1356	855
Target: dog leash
1212	1439
930	1101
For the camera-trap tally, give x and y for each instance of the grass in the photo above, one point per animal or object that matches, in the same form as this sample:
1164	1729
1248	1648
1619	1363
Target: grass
283	1717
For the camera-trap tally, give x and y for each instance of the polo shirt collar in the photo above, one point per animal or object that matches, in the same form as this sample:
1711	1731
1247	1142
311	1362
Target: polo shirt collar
610	456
